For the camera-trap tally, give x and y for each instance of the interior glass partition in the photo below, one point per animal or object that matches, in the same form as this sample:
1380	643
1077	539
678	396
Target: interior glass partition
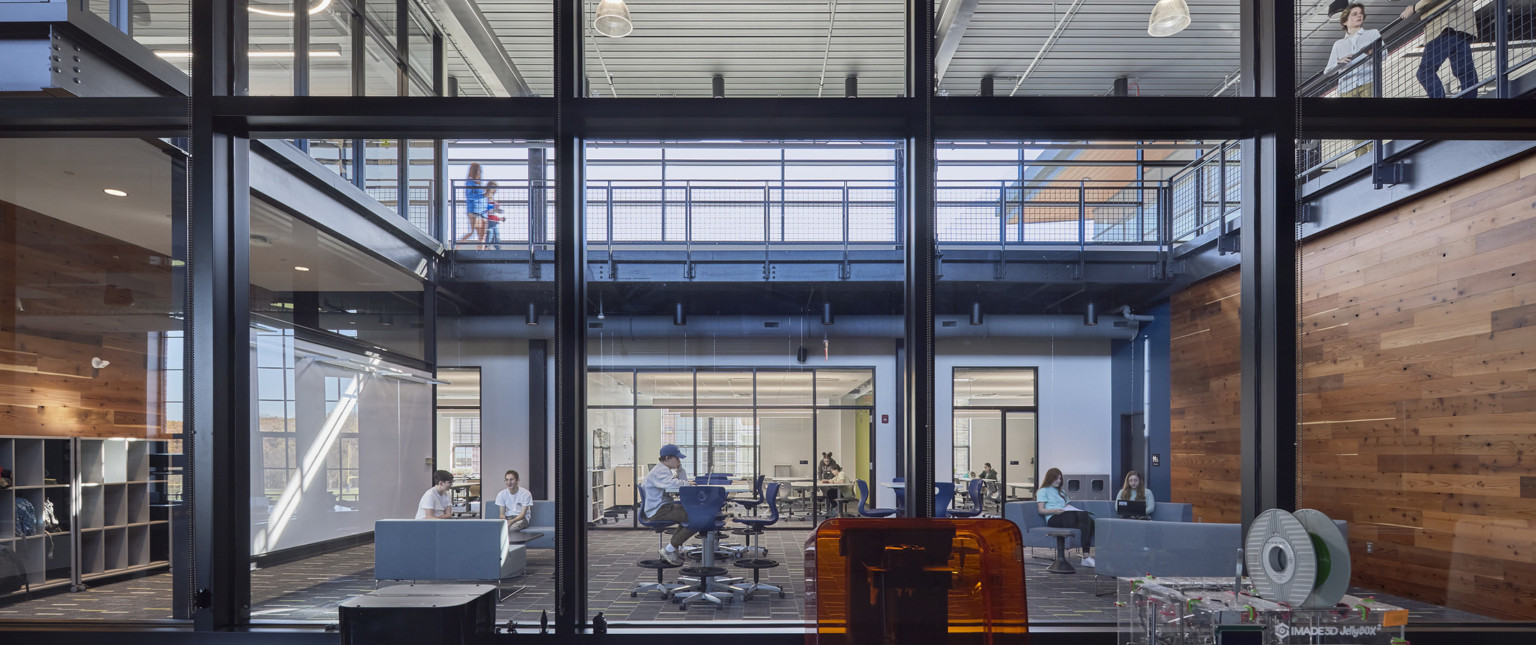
92	345
711	298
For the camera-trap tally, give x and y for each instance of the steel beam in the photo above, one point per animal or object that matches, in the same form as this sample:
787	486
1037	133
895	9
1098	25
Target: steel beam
1413	118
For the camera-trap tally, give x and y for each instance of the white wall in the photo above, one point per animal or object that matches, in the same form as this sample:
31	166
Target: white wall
503	367
1076	421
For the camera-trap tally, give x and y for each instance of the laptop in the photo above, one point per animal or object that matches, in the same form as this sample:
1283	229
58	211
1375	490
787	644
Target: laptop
1131	509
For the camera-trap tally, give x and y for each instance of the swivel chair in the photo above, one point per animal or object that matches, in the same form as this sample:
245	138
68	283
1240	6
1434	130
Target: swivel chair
756	525
864	508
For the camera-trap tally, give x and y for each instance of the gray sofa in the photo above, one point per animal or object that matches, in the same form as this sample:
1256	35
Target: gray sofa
1128	548
543	522
445	550
1032	524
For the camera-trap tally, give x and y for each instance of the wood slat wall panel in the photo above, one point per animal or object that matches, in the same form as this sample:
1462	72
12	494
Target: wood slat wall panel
1206	364
59	273
1418	391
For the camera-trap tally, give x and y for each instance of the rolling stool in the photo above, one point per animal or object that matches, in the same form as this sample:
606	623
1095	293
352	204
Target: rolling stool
757	565
661	528
751	550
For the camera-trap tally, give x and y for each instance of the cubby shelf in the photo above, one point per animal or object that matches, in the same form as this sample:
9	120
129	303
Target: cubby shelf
115	528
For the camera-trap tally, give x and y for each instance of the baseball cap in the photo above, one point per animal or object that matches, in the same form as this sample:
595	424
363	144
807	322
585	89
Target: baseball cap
671	450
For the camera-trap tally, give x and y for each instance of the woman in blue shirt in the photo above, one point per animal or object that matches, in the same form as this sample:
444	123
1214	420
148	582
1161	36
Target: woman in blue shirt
1136	489
1053	504
475	203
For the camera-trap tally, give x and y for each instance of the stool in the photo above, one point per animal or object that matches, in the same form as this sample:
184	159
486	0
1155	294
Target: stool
704	575
757	565
666	588
751	533
1061	565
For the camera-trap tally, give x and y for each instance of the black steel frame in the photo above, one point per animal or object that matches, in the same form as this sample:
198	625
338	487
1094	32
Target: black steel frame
221	121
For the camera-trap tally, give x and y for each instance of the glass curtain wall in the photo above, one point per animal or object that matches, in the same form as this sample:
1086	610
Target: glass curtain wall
756	364
94	327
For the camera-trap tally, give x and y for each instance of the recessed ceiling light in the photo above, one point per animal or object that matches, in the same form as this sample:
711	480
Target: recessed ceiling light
115	192
300	268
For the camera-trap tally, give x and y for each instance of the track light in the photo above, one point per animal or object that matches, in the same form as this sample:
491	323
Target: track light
1090	315
986	85
826	313
679	316
976	317
533	315
717	87
851	87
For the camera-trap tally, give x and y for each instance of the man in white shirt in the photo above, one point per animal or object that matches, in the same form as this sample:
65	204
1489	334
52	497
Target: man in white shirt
436	503
516	503
655	505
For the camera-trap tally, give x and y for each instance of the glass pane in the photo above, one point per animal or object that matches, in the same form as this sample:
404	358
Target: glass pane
1084	49
994	387
271	53
756	49
610	388
420	45
724	388
784	388
335	154
734	371
382	20
382	171
421	173
337	288
1016	469
92	312
664	388
844	387
381	71
330	52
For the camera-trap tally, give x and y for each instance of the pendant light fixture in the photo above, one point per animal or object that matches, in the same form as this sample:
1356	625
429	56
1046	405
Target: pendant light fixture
1168	18
1337	8
612	19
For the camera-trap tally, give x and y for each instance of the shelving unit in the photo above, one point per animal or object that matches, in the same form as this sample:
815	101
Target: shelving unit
116	519
36	465
115	527
600	485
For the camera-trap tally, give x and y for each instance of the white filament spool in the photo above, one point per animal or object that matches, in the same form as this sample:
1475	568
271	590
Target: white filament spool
1281	560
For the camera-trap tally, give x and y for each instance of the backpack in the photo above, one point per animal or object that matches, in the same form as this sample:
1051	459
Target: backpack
13	575
26	518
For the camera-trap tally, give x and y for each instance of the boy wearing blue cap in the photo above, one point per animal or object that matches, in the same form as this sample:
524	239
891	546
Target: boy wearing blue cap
657	508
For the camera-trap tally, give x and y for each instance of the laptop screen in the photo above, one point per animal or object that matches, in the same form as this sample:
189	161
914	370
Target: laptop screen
1131	508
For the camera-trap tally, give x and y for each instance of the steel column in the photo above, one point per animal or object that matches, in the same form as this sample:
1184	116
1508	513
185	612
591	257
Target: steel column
570	330
1269	268
921	262
218	385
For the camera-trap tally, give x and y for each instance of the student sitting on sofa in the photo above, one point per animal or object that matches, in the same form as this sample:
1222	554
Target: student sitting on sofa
1135	489
1061	514
436	503
516	503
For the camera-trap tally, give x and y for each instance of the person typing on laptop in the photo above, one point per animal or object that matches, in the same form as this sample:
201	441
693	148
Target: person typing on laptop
1134	490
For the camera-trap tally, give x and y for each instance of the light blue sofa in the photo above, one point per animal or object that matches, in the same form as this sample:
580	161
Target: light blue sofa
543	522
1129	548
1032	523
445	550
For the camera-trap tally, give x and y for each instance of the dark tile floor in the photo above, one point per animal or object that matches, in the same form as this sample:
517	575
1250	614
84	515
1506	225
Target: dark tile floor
310	590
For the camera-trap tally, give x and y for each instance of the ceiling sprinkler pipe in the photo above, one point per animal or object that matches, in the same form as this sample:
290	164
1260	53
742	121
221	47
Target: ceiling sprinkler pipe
1125	311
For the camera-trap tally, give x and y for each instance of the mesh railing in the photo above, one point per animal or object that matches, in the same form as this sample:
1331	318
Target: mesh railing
856	212
1458	48
1207	193
418	210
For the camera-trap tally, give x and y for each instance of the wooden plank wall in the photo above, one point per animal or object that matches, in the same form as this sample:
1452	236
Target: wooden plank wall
1205	423
1418	391
57	313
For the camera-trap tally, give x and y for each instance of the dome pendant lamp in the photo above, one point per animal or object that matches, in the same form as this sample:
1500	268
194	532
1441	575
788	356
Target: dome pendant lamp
1168	18
612	19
